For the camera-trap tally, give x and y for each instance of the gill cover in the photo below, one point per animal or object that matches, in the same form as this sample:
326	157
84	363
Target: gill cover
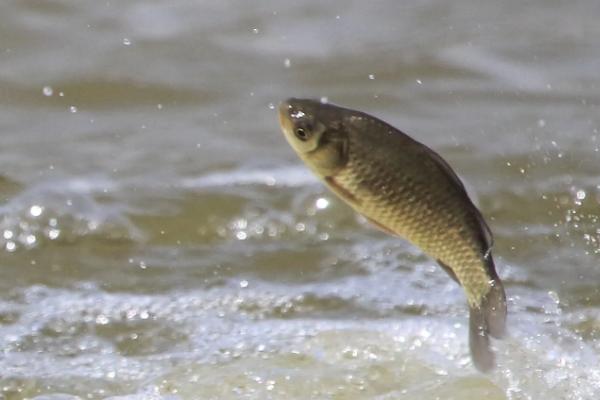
318	139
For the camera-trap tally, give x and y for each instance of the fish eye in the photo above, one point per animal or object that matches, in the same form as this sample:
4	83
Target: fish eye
302	134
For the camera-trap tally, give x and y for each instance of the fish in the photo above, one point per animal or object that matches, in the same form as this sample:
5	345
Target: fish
408	190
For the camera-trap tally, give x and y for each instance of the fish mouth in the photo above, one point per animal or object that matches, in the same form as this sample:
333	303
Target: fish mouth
290	111
292	108
284	111
285	108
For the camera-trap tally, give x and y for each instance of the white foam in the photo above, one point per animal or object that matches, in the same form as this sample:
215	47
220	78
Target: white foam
291	176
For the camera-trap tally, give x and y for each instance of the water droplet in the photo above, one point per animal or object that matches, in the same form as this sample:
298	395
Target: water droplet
8	234
11	246
240	224
61	94
255	31
486	255
48	91
36	211
244	284
287	63
580	194
30	240
159	106
337	17
271	106
126	41
241	235
322	203
541	123
419	82
53	234
371	76
73	109
324	100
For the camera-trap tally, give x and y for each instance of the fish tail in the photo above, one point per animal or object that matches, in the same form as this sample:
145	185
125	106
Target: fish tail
486	319
479	340
494	306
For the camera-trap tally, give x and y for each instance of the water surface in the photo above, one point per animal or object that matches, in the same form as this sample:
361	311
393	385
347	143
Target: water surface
160	240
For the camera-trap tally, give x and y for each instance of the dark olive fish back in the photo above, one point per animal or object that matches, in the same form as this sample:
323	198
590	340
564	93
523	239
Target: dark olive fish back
407	189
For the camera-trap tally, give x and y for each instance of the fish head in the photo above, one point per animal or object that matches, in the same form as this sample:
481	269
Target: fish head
315	131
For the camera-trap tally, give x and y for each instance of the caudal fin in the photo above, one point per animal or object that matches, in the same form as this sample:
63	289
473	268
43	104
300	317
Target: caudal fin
489	319
494	307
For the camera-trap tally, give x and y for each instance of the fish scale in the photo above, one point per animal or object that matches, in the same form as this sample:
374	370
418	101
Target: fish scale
399	212
404	210
408	190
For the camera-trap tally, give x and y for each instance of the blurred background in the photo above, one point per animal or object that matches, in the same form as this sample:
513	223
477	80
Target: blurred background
160	240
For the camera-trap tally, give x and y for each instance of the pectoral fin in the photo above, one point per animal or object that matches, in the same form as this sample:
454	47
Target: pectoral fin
340	190
381	227
449	271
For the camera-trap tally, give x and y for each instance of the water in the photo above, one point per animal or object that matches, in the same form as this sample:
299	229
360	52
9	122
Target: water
159	240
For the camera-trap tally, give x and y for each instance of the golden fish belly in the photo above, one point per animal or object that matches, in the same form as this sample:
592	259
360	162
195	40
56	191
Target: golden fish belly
429	214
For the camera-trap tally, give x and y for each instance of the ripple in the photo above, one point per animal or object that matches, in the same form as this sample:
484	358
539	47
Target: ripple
60	211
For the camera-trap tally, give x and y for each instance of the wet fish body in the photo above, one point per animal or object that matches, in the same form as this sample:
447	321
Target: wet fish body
406	189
